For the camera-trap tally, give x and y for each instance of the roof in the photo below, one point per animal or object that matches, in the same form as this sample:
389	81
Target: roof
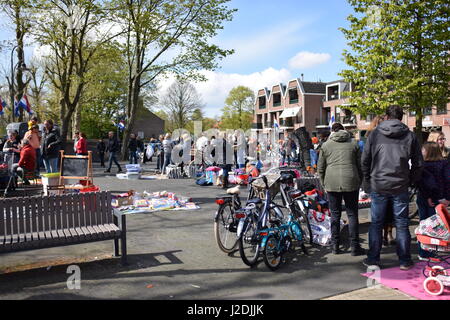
314	87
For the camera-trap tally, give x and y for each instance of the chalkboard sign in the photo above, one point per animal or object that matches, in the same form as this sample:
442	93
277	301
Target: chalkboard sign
76	167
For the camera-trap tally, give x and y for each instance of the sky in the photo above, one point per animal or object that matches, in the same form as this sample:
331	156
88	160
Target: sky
274	42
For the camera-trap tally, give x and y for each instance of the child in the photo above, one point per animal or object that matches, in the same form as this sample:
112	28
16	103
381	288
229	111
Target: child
434	187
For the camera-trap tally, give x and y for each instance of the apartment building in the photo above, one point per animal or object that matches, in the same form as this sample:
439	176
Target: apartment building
435	118
288	107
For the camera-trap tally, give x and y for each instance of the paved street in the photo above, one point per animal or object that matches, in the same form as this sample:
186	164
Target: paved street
173	255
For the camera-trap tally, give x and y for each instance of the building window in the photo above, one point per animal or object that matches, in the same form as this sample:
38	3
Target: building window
277	99
262	102
293	96
333	93
428	111
442	109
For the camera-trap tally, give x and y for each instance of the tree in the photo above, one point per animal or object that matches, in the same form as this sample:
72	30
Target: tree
18	12
180	102
73	32
238	111
168	36
399	55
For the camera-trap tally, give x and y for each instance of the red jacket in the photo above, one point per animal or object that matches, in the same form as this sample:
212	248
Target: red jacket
82	146
28	158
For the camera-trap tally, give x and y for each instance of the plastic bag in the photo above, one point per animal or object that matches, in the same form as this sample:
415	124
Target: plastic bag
321	227
150	151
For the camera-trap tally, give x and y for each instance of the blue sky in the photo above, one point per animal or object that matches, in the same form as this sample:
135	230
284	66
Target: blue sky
274	42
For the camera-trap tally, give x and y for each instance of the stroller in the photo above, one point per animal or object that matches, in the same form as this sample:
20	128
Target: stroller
433	234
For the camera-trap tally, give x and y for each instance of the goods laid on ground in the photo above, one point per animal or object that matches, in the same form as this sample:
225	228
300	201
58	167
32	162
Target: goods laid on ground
133	171
134	202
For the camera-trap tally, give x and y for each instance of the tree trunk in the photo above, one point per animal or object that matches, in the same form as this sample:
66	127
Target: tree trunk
134	91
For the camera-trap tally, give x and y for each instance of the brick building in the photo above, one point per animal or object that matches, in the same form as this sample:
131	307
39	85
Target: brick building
435	118
290	106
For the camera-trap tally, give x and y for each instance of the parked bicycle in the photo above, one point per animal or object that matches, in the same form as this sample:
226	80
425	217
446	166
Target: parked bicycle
225	222
257	215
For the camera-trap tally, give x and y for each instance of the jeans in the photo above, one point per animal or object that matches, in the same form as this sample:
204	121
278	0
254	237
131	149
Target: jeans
51	165
167	158
113	158
160	161
425	211
351	206
133	157
102	158
400	204
38	161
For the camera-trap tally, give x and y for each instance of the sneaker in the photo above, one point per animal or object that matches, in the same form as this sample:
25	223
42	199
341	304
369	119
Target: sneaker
407	265
423	258
358	251
369	263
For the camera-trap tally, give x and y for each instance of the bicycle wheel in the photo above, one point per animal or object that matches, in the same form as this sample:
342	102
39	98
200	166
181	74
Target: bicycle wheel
302	219
249	245
223	228
271	255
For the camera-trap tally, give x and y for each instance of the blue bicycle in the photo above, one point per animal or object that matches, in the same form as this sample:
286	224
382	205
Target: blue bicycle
276	241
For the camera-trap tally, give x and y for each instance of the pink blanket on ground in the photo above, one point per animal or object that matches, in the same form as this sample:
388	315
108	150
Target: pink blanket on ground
409	282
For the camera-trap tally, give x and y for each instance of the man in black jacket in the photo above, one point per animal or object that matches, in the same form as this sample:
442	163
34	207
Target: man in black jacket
51	144
113	147
101	148
391	162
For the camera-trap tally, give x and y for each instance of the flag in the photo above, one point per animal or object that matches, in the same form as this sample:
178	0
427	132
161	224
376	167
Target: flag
22	104
332	120
275	124
2	106
121	125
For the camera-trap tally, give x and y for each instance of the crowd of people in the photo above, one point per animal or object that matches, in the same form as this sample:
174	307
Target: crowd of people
387	165
34	150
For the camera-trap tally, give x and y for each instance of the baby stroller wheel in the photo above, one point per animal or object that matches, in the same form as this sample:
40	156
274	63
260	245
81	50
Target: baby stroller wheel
433	286
437	270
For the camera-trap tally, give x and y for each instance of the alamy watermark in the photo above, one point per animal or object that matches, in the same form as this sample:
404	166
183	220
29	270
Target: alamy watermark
74	280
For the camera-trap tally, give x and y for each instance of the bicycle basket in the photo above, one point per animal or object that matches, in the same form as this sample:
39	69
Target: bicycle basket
274	186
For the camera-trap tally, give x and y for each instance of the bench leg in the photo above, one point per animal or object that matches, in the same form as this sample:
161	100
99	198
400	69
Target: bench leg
123	240
116	247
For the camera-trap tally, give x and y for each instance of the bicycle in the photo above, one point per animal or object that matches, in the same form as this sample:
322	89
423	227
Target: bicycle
251	220
279	240
225	223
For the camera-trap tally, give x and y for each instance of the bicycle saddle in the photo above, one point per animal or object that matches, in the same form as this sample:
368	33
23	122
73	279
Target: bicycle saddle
236	190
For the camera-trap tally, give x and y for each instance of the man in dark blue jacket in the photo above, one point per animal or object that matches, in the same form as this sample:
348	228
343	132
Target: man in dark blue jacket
391	162
113	147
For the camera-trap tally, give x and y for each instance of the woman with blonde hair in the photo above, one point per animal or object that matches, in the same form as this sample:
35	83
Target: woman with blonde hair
439	138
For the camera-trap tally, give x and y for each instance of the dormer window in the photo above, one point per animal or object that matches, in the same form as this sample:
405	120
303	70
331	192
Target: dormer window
293	95
277	99
262	102
333	93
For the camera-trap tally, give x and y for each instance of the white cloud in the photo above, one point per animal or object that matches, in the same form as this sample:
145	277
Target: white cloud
215	90
265	44
306	60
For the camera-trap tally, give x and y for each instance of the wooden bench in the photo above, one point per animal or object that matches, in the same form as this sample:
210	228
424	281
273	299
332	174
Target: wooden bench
38	222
